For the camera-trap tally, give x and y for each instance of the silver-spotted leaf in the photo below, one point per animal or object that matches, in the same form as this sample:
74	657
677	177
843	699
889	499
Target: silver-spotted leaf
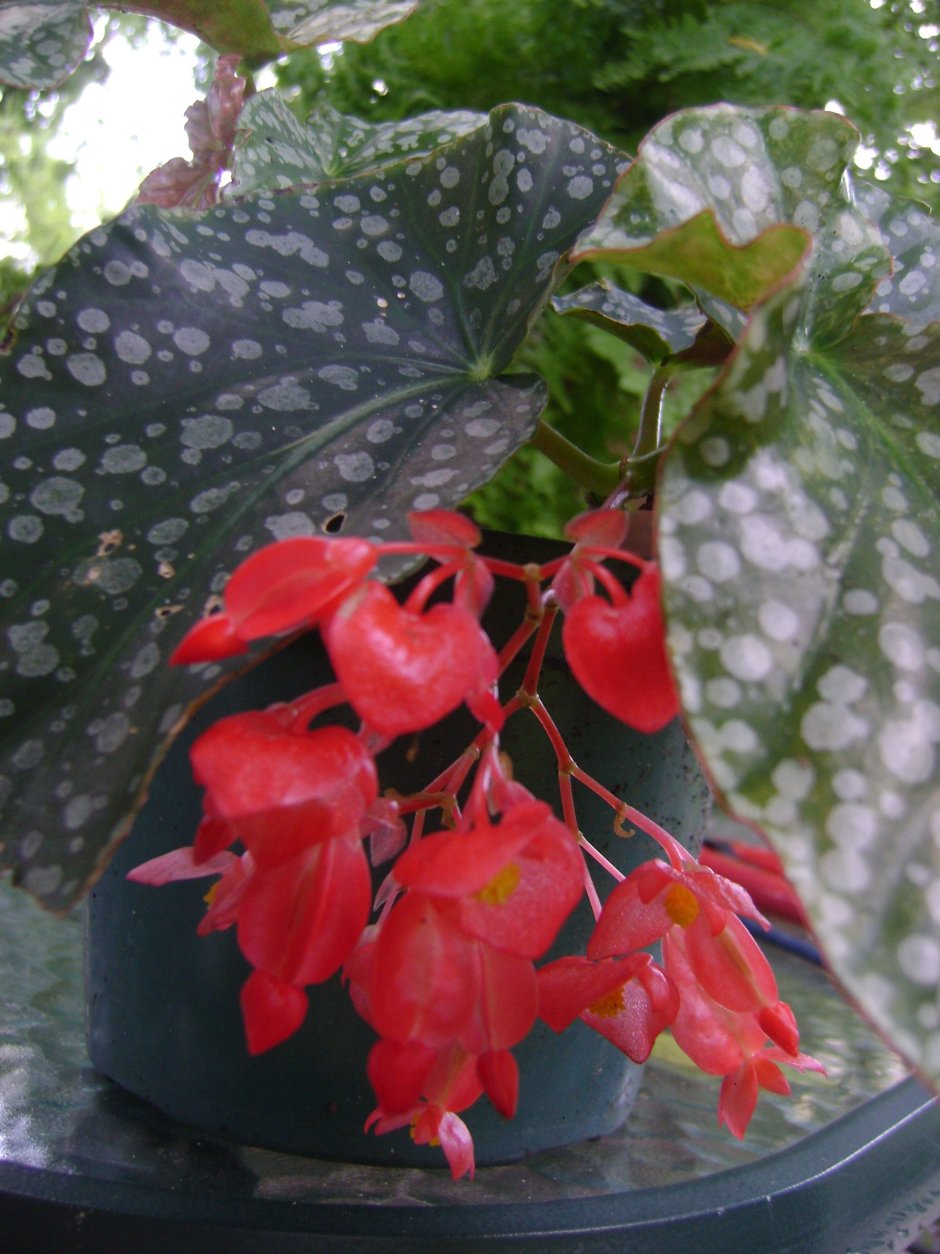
800	536
911	289
275	150
656	333
306	22
42	42
724	197
188	386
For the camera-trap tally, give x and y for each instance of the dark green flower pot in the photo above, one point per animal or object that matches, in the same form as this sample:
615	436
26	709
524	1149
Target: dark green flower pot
163	1017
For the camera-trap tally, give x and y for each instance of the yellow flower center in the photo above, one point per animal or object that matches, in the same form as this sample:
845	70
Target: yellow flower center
681	905
413	1126
209	898
610	1005
501	887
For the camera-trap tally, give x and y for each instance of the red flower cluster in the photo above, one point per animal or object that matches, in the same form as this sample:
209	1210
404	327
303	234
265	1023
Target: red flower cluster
446	975
447	979
715	989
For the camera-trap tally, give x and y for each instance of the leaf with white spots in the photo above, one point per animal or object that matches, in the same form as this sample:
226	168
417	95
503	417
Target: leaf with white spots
656	333
274	150
306	22
724	198
42	42
186	387
799	536
913	237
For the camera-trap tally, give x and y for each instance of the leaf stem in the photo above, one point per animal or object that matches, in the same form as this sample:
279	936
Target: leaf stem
598	477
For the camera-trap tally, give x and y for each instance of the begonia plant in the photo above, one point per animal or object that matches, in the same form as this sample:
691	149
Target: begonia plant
244	407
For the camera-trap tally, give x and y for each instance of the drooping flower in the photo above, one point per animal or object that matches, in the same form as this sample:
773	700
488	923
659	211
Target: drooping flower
744	1046
277	787
596	532
658	901
450	1083
629	1000
281	588
403	671
441	528
511	884
617	652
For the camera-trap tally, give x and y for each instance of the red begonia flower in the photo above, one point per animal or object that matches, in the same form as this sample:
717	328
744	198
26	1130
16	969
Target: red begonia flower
658	901
423	976
278	589
729	1043
617	653
499	1073
628	1000
656	897
598	528
279	790
453	1083
404	671
301	919
272	1010
512	884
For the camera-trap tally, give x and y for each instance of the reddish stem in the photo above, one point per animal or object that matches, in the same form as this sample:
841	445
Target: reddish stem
427	586
628	813
530	683
306	708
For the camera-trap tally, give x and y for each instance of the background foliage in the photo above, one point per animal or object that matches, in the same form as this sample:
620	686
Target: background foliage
618	66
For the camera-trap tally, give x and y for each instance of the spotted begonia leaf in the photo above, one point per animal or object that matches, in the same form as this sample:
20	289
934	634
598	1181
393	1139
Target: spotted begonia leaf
799	527
799	533
275	150
911	236
42	41
306	22
723	198
656	333
188	386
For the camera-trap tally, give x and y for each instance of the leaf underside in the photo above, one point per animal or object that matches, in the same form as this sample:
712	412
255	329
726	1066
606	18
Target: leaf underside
186	387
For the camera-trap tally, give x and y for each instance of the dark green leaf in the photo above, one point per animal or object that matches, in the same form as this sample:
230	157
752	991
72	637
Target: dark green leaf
186	387
799	533
274	150
41	43
306	22
656	333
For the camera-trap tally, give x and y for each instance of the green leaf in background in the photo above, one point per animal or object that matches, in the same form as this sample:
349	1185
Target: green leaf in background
186	387
274	150
306	22
799	534
41	42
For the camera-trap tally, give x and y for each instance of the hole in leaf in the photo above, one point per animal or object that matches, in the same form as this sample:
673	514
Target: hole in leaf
335	523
